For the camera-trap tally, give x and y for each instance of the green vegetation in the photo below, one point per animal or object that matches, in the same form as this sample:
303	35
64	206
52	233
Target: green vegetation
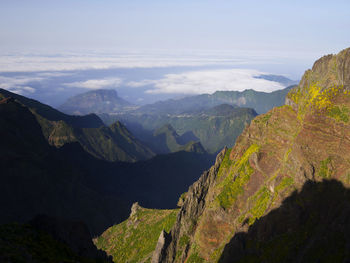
286	182
225	164
215	127
194	256
232	185
264	118
135	239
184	240
339	113
260	202
325	170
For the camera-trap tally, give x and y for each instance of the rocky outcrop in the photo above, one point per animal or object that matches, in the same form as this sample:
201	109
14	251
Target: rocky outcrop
275	157
191	209
163	241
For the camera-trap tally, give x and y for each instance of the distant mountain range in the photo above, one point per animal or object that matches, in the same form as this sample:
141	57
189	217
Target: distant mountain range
197	117
107	101
261	102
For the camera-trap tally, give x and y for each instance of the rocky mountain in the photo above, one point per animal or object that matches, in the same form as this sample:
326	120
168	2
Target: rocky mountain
95	101
215	127
281	194
113	143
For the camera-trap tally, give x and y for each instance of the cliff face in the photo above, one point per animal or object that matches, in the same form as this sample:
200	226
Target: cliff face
271	164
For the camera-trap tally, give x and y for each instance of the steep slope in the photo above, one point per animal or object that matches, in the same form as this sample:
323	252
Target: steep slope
215	127
51	114
95	101
37	178
135	239
281	168
114	143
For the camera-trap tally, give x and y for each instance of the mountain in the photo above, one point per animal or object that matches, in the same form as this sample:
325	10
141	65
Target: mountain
38	178
281	193
261	102
215	127
95	101
114	143
51	114
278	78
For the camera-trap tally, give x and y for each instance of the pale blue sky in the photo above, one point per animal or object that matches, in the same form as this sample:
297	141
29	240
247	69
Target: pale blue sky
286	26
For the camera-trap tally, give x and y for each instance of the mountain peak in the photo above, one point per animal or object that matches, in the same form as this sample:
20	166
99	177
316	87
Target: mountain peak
323	86
95	101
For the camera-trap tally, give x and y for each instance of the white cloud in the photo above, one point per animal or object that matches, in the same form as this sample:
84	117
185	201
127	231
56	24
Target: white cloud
18	84
54	74
22	90
95	83
209	81
29	62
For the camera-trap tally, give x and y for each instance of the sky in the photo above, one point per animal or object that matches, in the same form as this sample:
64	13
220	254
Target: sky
252	25
157	49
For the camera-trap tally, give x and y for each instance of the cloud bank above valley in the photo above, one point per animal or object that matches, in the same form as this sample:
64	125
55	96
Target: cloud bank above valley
209	81
139	76
95	83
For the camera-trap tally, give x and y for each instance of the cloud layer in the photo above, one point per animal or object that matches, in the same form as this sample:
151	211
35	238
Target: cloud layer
208	81
19	84
66	61
95	83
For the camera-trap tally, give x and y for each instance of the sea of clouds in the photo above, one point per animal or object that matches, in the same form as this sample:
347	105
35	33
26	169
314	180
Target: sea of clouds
138	76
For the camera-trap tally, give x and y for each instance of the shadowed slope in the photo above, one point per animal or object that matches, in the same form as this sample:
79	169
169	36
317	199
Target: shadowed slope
312	225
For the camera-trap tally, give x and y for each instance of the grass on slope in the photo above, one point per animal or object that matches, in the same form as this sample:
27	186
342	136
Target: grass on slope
135	239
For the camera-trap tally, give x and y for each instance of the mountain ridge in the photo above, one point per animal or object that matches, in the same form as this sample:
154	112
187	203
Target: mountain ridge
306	140
114	143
